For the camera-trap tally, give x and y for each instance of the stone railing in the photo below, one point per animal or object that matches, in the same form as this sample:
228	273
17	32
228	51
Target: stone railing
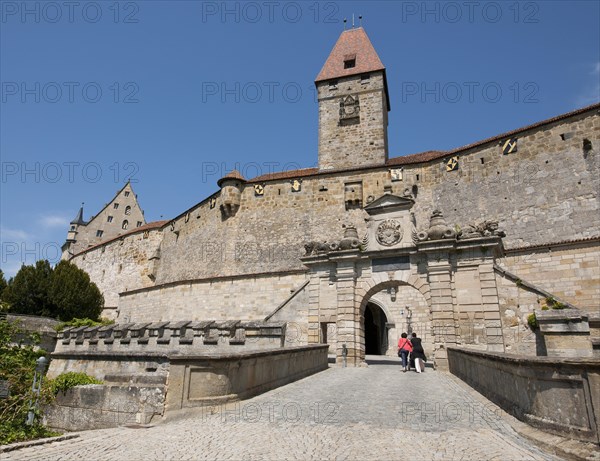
556	394
167	336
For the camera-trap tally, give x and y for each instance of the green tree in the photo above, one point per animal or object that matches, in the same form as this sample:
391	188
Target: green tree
73	293
3	283
27	292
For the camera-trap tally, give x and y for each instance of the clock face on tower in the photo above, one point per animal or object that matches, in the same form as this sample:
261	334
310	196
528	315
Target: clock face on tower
349	108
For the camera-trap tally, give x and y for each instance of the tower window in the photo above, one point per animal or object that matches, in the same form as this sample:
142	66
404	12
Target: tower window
115	206
72	228
125	225
127	210
126	193
349	63
99	233
109	219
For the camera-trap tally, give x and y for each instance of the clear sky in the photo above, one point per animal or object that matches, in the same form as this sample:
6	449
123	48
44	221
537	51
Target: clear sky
173	94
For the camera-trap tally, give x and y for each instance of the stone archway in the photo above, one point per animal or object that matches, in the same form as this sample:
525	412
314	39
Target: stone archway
406	309
375	325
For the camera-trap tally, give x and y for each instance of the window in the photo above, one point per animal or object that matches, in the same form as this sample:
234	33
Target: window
364	78
333	84
109	219
349	63
139	223
99	233
127	210
72	228
125	225
126	193
116	205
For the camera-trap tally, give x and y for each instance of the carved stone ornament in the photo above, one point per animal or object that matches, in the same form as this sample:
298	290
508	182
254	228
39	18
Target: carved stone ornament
349	108
389	232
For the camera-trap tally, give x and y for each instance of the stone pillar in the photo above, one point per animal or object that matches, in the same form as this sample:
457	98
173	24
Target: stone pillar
313	308
491	307
348	319
442	307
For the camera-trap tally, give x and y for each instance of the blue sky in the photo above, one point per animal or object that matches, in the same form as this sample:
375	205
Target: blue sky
174	94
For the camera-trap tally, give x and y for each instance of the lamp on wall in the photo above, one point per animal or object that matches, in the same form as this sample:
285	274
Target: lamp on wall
393	294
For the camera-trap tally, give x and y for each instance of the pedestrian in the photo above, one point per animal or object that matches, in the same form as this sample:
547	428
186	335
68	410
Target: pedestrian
418	353
404	348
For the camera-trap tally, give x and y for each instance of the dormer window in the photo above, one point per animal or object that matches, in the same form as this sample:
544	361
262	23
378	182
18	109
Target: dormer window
349	61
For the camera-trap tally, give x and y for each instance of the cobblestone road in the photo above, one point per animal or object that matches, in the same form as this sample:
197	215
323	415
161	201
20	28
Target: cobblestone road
373	413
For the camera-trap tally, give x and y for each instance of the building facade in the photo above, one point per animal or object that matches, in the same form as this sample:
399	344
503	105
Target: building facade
364	247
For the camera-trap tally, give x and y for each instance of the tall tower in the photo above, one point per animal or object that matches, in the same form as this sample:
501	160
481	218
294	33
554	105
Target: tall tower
353	105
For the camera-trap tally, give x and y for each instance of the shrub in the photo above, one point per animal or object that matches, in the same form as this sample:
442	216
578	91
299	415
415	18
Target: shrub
66	381
17	365
75	323
532	321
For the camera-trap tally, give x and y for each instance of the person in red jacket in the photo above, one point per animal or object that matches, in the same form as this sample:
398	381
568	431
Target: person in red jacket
404	348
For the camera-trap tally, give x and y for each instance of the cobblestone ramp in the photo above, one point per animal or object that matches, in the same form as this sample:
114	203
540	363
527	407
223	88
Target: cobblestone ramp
373	413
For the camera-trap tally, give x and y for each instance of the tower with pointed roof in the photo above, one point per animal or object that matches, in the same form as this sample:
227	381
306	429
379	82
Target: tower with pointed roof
353	105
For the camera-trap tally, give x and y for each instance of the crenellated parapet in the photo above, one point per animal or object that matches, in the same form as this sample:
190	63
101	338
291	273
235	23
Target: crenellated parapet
184	335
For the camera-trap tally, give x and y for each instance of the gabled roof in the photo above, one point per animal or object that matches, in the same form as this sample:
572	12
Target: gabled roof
352	44
389	202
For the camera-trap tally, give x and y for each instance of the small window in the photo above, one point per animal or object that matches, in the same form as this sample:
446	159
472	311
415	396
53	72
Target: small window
349	63
139	223
126	193
127	210
99	233
115	206
333	84
109	219
72	228
125	225
364	78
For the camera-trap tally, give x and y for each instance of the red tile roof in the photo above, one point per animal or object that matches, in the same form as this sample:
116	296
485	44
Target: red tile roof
352	44
233	174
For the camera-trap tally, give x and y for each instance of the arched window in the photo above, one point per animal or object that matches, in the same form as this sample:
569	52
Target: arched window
125	224
128	210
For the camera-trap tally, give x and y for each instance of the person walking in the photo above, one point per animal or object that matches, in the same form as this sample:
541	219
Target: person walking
418	353
404	348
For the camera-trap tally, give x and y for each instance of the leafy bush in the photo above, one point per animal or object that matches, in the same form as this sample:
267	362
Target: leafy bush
66	381
17	366
554	304
75	323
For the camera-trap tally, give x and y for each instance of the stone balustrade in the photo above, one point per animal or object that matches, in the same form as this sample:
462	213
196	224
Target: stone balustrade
167	336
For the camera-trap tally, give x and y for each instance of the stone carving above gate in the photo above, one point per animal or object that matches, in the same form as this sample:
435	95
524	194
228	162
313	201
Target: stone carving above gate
439	230
389	232
390	223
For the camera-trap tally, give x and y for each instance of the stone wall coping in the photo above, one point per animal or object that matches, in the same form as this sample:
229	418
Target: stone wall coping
518	359
109	355
176	357
552	315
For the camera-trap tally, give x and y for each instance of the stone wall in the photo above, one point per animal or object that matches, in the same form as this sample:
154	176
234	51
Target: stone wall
534	196
121	265
245	298
544	193
555	394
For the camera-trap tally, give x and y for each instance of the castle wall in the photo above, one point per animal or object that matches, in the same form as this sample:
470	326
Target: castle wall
120	265
247	298
546	192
